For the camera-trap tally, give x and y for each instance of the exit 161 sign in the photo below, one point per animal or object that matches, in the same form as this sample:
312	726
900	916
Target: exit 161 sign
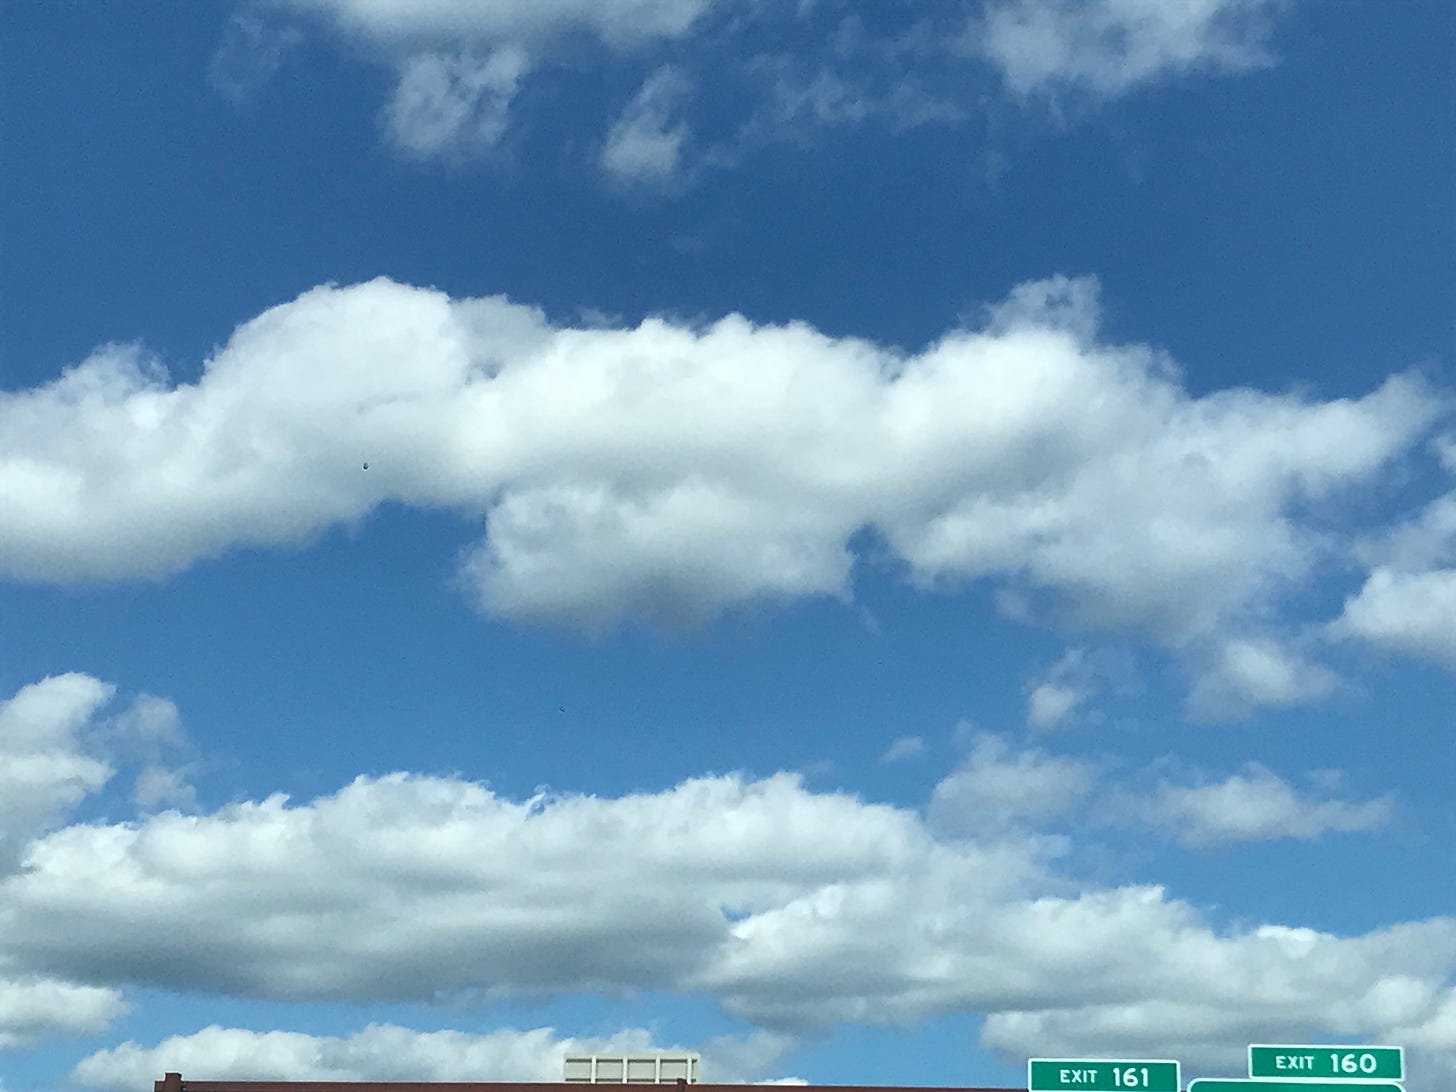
1102	1075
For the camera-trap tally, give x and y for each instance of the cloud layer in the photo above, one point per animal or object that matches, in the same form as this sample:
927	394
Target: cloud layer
459	65
667	472
388	1053
793	909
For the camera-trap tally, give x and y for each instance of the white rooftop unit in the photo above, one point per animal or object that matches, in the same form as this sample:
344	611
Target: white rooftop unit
631	1068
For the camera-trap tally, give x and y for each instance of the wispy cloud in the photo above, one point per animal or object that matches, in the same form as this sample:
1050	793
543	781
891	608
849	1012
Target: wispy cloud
646	143
1258	805
1242	673
904	749
452	106
1055	695
250	54
1111	47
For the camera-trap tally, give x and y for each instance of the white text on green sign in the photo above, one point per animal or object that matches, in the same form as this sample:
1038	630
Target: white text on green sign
1102	1075
1330	1063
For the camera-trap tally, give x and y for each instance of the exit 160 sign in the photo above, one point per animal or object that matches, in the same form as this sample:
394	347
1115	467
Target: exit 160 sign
1101	1075
1328	1063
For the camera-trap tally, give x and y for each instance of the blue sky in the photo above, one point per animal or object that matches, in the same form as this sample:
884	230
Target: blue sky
893	541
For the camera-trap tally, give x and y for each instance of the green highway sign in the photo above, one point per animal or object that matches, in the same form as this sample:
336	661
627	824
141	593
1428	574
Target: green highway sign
1102	1075
1267	1084
1328	1063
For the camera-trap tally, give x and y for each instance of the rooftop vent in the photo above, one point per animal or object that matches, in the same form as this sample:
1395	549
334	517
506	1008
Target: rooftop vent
631	1068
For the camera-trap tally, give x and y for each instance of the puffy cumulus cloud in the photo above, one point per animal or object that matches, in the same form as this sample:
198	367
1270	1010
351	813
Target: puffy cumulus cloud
385	1053
1405	612
1407	604
452	105
645	144
591	555
47	765
36	1008
867	957
996	787
1107	48
1255	805
1241	673
1431	1045
669	472
1211	1037
61	740
409	886
1428	540
794	909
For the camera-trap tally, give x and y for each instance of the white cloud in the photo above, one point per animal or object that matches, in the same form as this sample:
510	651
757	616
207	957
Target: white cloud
792	908
1408	602
1257	805
46	766
617	22
58	746
32	1009
903	749
1436	1032
1210	1037
452	105
460	65
1050	703
1424	542
1245	672
1430	1042
1110	47
149	733
645	144
901	76
669	472
383	1053
996	787
384	891
1058	693
1000	789
413	887
1406	612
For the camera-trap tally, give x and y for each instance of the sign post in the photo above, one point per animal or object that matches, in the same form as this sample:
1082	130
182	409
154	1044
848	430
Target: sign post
1102	1075
1328	1063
